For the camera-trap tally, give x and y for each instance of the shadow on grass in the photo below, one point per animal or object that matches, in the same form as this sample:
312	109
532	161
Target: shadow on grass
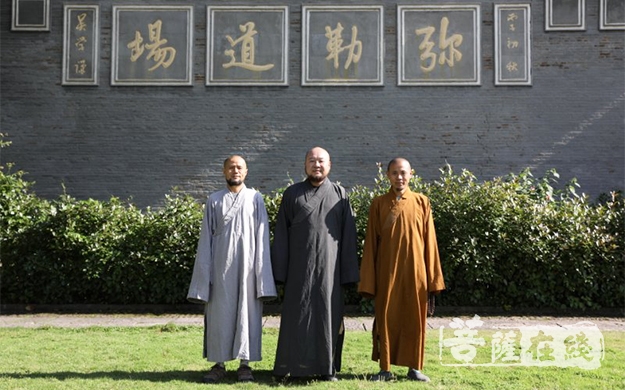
264	377
151	376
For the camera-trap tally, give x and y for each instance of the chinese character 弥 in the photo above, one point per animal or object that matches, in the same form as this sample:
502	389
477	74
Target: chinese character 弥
444	44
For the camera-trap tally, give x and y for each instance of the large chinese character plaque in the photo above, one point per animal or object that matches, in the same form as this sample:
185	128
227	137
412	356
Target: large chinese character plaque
438	45
342	45
80	44
247	45
152	45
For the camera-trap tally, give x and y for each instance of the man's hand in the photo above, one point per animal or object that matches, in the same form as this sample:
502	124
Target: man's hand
431	303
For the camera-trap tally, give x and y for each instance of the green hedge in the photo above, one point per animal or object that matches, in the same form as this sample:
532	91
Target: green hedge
510	242
77	251
517	242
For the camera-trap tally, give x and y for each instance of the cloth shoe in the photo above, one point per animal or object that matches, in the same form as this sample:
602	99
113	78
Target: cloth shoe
383	376
329	378
244	374
215	375
416	375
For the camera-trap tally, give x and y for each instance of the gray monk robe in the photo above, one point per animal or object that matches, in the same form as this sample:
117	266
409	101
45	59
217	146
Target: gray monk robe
232	272
314	255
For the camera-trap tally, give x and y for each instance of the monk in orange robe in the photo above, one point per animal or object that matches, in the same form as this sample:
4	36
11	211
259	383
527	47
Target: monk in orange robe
400	270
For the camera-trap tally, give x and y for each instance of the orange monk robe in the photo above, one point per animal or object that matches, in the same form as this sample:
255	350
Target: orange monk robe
400	265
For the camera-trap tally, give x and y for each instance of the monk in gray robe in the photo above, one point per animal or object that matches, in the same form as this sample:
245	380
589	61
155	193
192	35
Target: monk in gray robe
232	274
314	255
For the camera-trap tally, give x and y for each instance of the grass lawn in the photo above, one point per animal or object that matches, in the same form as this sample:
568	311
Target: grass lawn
170	356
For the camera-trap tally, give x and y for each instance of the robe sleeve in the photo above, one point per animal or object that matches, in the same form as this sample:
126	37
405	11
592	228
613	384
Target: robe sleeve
435	278
199	289
265	286
349	247
280	245
367	285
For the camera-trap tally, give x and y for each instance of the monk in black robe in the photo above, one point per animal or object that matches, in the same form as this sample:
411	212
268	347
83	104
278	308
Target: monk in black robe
314	256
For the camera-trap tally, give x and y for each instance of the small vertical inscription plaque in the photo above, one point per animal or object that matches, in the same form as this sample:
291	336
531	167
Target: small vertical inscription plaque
513	63
80	44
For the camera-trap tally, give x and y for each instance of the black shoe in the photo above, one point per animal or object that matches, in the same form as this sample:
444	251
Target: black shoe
329	378
281	378
215	375
244	374
416	375
383	376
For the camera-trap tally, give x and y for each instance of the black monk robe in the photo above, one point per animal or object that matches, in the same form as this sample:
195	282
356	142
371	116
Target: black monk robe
314	255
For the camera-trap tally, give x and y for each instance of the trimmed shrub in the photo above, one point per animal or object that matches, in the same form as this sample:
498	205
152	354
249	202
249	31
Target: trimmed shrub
510	242
517	242
88	251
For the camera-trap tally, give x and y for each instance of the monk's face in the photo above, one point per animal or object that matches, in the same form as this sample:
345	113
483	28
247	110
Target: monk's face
317	165
235	171
399	174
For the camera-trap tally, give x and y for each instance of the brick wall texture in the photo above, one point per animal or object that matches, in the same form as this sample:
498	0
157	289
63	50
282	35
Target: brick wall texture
140	142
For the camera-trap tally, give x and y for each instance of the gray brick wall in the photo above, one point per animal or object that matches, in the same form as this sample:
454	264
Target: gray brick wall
140	142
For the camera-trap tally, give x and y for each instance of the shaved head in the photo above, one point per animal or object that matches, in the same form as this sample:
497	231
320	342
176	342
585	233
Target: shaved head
318	151
317	165
234	157
235	171
399	174
395	161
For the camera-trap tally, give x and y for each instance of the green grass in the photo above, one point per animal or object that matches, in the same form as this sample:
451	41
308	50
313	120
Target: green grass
170	356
